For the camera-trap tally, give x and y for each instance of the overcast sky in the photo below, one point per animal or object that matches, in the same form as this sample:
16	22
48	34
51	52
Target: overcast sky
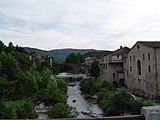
97	24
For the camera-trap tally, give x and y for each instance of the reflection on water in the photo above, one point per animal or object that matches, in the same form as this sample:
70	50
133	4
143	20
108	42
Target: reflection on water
81	104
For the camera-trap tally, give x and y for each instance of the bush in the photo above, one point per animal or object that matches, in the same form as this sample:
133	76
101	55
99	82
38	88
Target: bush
136	105
60	110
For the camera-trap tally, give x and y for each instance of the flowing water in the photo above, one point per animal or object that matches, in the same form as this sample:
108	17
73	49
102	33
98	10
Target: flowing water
81	104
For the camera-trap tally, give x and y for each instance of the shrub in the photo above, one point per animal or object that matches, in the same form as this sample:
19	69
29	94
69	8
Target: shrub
136	105
60	110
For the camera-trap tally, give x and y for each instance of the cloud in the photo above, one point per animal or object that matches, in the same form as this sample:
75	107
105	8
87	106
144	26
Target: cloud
99	24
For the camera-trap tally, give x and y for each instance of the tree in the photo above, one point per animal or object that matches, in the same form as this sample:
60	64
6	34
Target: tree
94	71
26	85
116	103
2	46
74	58
9	66
89	86
52	93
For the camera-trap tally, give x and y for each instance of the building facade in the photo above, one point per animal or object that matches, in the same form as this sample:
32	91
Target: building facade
113	66
143	71
90	60
42	59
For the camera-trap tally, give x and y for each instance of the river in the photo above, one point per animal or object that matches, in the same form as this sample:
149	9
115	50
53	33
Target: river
81	104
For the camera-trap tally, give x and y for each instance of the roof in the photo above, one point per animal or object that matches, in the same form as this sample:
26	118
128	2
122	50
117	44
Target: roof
152	44
121	51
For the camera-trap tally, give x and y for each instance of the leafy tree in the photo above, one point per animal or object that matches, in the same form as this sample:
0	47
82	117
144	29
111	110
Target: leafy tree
89	86
97	54
74	58
117	103
104	84
24	62
26	85
7	88
61	110
94	71
62	85
2	46
52	93
10	47
9	66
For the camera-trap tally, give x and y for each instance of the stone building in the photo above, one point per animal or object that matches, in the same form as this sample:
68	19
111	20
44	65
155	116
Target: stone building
90	60
41	59
143	71
113	66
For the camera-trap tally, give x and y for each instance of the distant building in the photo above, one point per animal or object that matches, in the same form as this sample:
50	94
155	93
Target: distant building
90	60
41	58
143	71
113	66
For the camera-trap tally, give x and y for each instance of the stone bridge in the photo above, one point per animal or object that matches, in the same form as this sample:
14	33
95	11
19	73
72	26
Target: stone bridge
75	67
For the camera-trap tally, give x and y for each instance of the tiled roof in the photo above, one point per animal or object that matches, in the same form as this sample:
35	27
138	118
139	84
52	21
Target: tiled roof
121	51
153	44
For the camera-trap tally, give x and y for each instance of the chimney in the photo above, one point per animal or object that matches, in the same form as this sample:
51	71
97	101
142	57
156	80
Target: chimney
121	47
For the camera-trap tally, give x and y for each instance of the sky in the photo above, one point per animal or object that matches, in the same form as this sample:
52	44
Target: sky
82	24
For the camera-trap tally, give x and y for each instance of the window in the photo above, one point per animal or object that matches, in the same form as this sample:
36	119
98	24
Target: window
148	56
127	73
139	67
125	60
117	56
149	68
130	68
130	59
137	46
134	58
143	57
114	75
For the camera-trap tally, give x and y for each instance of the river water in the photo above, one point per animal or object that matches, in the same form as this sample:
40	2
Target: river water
81	104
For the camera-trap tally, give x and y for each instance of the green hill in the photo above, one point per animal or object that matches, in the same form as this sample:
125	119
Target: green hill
58	54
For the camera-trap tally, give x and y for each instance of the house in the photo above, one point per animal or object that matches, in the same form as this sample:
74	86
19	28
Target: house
113	66
90	60
143	73
41	59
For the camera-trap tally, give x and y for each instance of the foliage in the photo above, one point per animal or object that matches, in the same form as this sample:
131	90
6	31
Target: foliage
26	85
62	85
117	103
20	80
94	70
89	86
97	54
9	66
53	94
7	87
74	58
104	84
136	105
60	110
19	109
